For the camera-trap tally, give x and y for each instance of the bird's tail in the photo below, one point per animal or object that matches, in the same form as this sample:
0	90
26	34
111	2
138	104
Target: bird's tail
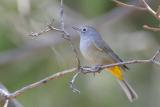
130	93
117	72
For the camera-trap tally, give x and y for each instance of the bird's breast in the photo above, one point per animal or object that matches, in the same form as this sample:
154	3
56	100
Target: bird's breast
92	54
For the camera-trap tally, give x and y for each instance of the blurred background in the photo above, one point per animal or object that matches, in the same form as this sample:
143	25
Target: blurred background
25	59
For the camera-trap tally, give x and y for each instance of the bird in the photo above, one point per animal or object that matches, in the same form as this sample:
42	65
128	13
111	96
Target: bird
96	51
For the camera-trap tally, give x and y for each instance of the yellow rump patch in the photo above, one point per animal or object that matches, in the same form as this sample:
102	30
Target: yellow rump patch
116	71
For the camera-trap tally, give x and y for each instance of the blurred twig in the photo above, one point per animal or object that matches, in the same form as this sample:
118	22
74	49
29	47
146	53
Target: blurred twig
155	29
129	6
41	82
146	7
7	102
62	30
93	69
66	36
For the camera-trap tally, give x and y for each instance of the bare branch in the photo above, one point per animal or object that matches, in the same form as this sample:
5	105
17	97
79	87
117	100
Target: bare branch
62	15
47	29
43	81
155	29
146	7
41	32
93	69
156	58
150	10
72	85
68	35
62	30
158	12
129	6
6	103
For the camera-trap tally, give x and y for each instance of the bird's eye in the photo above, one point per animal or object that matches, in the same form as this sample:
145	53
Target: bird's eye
84	29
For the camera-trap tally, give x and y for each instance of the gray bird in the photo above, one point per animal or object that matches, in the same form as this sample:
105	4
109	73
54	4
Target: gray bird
97	51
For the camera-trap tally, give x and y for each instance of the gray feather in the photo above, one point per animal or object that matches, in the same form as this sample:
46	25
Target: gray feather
103	46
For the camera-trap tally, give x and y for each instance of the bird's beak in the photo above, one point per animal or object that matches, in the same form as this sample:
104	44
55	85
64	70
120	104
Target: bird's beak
76	28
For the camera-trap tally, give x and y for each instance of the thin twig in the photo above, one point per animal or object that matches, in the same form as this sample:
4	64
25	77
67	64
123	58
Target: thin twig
43	81
72	85
84	70
6	103
62	30
62	15
155	29
150	10
158	12
146	7
129	6
3	96
94	69
4	93
67	34
47	29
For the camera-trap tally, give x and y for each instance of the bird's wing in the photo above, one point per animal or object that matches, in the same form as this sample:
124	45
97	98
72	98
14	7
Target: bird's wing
101	45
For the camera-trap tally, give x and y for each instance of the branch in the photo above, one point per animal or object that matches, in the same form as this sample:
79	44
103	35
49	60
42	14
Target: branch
43	81
62	30
101	67
146	7
68	35
93	69
158	12
47	29
150	10
155	29
62	15
129	6
7	102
